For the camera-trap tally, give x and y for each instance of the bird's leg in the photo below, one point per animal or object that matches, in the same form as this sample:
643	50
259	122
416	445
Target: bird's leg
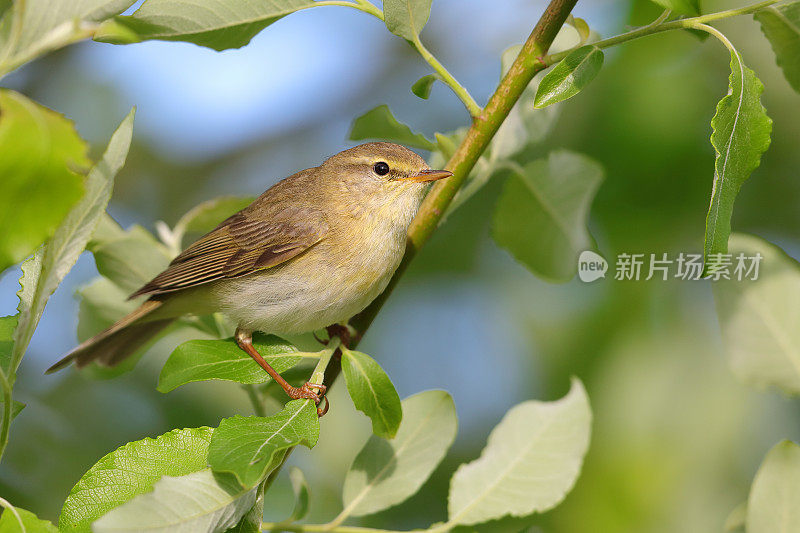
345	333
244	339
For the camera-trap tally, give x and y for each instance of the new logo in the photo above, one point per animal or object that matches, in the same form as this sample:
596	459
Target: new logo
591	266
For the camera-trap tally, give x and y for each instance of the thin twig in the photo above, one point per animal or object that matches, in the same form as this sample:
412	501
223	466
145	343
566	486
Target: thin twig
661	18
459	90
654	28
318	376
718	34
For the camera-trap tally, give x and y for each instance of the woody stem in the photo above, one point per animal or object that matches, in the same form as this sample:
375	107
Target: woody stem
477	139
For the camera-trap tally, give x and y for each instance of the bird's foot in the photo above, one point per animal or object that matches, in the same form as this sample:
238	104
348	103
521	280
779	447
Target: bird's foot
245	342
306	391
345	333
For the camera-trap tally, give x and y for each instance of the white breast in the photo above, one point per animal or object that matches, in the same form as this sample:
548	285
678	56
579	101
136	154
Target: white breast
308	293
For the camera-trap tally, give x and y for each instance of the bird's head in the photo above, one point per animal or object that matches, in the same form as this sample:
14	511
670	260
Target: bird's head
381	176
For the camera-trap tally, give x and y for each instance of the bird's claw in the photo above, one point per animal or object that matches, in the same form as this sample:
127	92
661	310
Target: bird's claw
322	410
306	391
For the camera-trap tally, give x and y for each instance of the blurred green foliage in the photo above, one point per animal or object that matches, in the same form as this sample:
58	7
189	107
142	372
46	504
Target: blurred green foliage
676	439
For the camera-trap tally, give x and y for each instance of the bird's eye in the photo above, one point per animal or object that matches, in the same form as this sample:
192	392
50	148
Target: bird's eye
380	168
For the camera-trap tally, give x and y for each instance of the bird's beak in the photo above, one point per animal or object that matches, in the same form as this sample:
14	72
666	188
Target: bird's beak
424	176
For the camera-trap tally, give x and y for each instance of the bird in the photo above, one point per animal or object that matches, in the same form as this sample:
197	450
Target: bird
312	251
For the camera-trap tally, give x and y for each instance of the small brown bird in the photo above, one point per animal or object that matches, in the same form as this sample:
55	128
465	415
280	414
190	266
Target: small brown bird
312	251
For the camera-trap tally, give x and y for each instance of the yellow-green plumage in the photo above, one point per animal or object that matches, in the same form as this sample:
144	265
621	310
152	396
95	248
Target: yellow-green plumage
313	250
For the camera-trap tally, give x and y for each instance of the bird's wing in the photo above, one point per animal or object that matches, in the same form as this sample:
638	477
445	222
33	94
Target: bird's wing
240	245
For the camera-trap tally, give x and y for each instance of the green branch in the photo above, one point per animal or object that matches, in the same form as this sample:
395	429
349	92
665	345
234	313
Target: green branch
661	25
325	356
68	33
476	141
716	33
460	91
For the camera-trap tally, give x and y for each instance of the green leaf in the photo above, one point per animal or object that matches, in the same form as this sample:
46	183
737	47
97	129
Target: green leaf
101	304
47	26
107	229
200	360
42	274
217	24
16	408
406	18
569	76
447	145
530	462
251	522
741	134
132	470
113	32
685	7
19	521
39	174
200	502
422	87
781	26
128	258
387	472
372	392
541	214
295	376
301	495
581	26
379	123
772	505
759	318
250	446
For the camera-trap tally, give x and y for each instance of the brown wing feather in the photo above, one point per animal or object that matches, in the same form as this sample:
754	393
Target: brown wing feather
240	245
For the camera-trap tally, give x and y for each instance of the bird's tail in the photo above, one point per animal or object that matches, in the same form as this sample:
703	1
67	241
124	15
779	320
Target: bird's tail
121	340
